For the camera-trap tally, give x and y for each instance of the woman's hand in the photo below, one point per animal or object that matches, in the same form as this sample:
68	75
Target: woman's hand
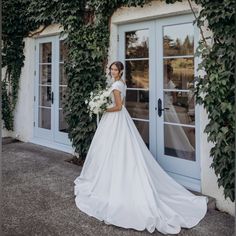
118	101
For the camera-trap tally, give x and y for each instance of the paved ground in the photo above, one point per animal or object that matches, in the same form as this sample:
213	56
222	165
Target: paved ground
38	199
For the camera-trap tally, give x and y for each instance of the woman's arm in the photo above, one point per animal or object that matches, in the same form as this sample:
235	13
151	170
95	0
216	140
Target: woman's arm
118	102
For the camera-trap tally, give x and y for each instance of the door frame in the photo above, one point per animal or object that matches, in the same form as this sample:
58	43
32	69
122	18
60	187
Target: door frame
50	138
40	132
169	164
152	83
155	92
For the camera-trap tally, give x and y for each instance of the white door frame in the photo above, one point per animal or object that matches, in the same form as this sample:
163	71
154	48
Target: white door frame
189	168
156	91
40	132
152	83
51	138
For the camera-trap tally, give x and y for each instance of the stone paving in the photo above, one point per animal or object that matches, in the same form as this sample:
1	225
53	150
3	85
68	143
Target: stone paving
38	199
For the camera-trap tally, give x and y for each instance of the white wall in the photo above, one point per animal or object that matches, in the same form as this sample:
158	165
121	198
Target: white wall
156	10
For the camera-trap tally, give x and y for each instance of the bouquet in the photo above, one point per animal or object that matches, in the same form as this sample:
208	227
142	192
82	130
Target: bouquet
99	101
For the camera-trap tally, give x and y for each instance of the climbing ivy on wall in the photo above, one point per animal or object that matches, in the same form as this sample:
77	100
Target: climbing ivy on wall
14	30
87	26
216	89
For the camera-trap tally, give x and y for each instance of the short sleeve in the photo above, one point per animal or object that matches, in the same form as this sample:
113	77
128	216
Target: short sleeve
171	85
117	86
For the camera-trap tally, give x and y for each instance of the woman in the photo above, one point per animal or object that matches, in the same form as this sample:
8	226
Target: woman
122	184
177	142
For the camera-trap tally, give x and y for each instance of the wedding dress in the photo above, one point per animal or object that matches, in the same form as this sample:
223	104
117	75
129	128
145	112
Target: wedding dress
175	136
122	184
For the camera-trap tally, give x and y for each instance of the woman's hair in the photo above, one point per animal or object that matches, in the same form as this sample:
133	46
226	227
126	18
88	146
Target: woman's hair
119	66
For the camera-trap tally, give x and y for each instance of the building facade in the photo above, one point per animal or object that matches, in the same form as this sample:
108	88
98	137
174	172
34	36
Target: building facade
156	43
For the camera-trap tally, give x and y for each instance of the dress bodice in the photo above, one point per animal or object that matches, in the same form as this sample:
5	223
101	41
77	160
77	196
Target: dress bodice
121	86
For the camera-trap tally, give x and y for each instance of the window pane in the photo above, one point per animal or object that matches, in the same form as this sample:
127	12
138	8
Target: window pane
137	103
137	74
45	52
178	73
143	128
136	44
181	107
178	39
44	119
179	142
45	75
45	96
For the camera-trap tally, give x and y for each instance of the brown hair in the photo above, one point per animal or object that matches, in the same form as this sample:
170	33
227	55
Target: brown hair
119	66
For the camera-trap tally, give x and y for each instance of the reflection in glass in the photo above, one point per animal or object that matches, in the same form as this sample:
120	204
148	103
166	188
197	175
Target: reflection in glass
178	73
178	39
137	74
143	128
44	119
63	126
45	52
179	141
181	107
45	75
137	103
136	44
45	96
62	75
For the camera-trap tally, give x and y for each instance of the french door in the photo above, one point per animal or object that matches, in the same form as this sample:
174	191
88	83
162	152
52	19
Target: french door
50	86
159	71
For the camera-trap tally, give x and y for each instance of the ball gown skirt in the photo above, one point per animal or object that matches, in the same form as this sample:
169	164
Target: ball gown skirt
122	184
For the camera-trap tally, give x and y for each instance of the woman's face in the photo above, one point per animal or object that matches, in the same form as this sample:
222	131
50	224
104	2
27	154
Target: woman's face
114	71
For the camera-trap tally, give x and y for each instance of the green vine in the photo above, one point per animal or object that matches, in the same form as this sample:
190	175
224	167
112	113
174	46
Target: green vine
216	90
87	26
15	27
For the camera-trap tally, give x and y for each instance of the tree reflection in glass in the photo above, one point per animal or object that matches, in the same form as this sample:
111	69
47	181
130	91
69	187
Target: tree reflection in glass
178	40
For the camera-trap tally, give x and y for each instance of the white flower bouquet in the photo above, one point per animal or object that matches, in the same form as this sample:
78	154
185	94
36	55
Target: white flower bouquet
99	101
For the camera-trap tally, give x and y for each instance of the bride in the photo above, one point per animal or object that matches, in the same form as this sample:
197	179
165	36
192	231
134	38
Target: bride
122	184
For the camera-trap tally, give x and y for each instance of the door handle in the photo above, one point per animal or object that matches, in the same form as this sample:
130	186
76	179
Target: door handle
160	109
52	97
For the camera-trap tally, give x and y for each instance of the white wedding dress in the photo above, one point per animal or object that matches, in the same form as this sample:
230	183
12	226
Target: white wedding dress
122	184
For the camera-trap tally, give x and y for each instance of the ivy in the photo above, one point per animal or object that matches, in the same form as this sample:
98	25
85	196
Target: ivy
87	26
216	90
15	28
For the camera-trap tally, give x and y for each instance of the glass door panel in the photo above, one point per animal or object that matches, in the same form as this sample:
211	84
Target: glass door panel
44	85
50	86
62	86
137	79
178	61
177	146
